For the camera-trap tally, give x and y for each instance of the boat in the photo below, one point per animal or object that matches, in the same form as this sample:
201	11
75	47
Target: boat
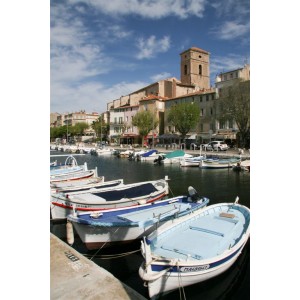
104	151
62	204
195	248
69	166
192	161
150	155
125	153
218	163
76	175
172	157
125	225
244	165
85	186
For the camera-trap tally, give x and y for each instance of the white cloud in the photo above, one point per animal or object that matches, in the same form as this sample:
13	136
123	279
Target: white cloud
160	76
231	30
150	47
150	9
92	96
224	64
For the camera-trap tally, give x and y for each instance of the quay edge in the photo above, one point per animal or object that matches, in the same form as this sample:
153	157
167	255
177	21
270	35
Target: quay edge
73	276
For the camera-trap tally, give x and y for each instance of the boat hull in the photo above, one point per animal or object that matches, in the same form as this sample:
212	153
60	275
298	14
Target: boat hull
195	249
112	227
169	282
218	164
62	205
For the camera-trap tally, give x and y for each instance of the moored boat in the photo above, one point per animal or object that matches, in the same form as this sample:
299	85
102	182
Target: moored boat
173	157
218	163
76	175
192	161
87	186
62	204
194	249
125	225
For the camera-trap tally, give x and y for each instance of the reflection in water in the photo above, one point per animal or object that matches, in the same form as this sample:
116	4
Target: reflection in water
217	185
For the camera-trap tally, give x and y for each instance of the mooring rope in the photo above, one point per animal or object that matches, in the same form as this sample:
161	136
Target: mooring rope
103	245
110	256
180	286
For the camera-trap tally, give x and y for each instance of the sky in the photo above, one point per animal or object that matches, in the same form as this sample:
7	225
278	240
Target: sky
101	50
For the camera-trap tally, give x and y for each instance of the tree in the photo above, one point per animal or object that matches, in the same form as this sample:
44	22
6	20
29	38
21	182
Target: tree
235	105
184	116
100	128
79	128
145	121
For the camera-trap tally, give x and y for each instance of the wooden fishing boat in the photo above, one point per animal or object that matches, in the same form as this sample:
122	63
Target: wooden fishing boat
219	163
194	248
125	225
62	204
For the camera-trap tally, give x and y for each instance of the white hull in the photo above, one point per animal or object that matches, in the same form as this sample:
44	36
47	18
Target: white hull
61	206
170	281
211	164
175	255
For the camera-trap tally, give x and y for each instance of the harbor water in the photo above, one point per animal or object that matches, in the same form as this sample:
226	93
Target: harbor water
220	185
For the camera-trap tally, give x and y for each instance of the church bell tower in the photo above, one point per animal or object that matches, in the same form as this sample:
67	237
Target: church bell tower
194	68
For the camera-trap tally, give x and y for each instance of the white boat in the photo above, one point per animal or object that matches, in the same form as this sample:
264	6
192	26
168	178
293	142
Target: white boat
151	155
195	248
105	151
218	163
126	153
173	157
132	223
76	175
70	166
192	161
86	186
62	204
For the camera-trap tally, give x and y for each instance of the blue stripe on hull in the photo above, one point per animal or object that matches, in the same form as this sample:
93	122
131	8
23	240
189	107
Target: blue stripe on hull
174	269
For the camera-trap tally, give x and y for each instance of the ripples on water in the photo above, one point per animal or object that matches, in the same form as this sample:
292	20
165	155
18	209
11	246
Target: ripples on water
217	185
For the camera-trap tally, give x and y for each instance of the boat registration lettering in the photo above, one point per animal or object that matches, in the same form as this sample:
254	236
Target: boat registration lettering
194	269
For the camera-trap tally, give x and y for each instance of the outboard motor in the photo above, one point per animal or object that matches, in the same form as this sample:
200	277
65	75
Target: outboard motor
193	195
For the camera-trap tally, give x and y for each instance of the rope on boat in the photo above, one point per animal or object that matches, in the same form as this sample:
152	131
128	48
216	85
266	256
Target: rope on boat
180	286
171	192
103	245
110	256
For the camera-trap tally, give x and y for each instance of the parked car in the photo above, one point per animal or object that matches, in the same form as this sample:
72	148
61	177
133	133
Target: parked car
217	146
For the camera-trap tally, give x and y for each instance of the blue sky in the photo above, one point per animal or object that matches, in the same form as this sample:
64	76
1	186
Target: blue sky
103	49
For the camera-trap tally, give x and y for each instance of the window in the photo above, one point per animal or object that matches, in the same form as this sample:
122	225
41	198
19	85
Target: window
225	77
185	69
207	97
115	120
202	112
212	96
201	127
200	98
200	70
211	111
231	75
120	120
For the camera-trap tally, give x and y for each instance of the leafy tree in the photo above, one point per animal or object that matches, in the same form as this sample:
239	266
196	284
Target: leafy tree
235	105
184	116
100	127
79	128
145	121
